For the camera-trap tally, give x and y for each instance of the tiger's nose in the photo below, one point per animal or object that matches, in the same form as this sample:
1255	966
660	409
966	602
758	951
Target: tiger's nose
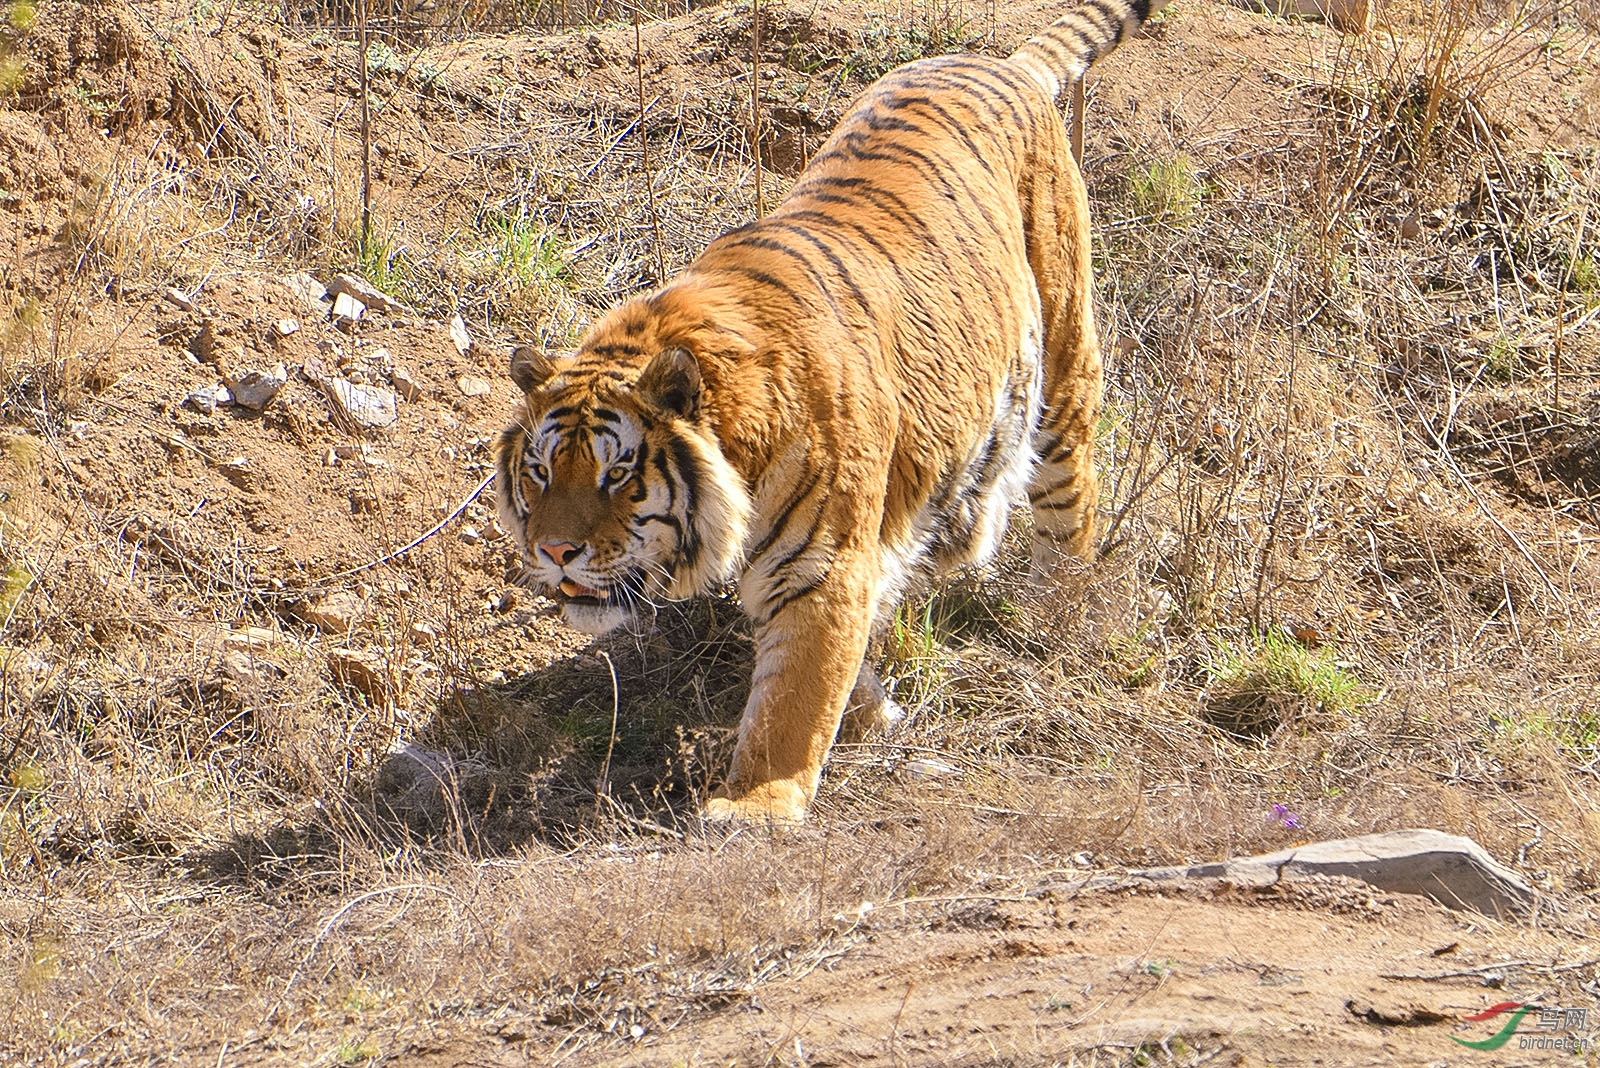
562	552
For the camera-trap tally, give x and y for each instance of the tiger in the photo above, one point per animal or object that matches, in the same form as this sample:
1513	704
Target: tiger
839	401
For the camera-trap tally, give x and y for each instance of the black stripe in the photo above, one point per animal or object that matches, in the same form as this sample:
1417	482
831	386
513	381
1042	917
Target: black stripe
687	474
1056	506
963	80
832	257
759	277
767	244
659	517
782	518
611	350
949	122
805	543
771	610
658	460
823	219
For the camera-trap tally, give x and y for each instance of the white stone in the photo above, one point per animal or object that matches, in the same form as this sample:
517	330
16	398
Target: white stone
365	292
347	309
1452	870
459	335
368	406
473	386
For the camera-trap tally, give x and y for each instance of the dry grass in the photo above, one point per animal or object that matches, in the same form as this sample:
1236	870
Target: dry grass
1350	500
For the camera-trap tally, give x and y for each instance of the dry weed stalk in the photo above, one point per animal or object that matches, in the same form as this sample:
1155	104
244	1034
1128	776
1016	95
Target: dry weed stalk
755	102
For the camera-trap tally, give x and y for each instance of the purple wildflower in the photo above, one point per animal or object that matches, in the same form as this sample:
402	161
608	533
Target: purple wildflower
1285	818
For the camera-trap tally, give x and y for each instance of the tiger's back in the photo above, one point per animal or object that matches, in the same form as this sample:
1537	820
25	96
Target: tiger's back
863	382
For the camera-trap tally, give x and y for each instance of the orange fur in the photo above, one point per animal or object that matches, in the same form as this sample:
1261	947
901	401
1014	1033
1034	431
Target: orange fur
840	400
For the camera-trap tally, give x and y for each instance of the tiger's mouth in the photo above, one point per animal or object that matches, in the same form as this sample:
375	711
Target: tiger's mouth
598	609
578	593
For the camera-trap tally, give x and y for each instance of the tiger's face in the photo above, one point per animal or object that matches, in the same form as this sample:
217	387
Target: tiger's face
615	491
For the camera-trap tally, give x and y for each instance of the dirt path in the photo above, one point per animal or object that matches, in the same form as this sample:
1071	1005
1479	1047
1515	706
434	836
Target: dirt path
1230	979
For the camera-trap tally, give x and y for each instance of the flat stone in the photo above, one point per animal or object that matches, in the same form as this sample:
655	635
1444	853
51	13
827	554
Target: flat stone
354	285
308	289
459	335
251	638
1347	16
255	389
473	386
406	385
365	672
285	327
368	406
1454	871
337	612
243	668
178	299
239	472
205	401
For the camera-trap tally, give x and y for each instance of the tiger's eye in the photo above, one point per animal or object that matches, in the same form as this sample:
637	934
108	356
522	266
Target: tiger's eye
541	472
618	475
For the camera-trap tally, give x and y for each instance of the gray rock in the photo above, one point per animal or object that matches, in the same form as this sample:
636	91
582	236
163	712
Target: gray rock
364	291
368	406
1454	871
308	289
255	389
205	401
426	786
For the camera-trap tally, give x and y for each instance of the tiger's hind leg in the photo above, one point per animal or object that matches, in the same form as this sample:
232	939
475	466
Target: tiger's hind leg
1064	488
871	711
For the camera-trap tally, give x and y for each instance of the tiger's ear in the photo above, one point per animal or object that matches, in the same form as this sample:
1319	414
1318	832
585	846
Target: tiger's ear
671	383
532	368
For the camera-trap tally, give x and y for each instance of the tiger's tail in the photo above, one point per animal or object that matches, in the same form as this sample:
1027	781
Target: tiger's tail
1064	50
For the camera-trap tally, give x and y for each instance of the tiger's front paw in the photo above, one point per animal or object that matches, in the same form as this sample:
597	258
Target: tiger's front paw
770	804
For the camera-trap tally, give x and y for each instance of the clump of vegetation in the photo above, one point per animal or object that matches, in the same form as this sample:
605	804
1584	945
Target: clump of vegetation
20	15
1165	188
1257	685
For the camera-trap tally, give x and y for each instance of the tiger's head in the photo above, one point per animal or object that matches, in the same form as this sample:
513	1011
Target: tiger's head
614	486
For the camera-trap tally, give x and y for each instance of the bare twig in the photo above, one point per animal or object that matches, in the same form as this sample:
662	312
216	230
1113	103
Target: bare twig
366	130
644	151
755	101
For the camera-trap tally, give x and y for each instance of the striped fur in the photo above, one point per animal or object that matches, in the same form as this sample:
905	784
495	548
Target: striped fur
840	401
